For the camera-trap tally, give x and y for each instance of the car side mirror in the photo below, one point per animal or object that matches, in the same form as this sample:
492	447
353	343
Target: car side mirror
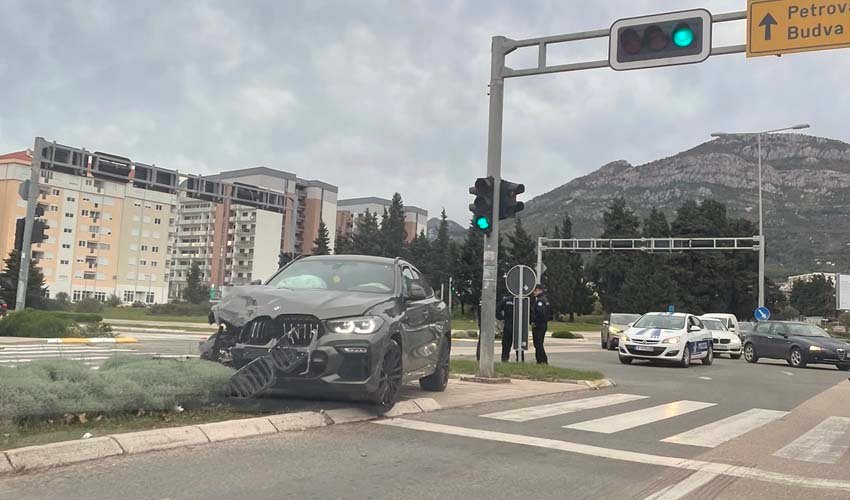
416	293
694	328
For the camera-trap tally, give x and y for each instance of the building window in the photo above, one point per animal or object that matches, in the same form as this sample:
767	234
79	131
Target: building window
100	296
157	221
137	204
54	208
64	262
77	295
143	262
159	207
84	213
69	215
144	248
149	298
89	276
66	245
71	199
129	296
68	230
155	249
154	263
55	192
81	243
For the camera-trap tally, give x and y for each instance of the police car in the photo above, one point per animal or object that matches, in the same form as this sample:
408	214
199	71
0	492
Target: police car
671	337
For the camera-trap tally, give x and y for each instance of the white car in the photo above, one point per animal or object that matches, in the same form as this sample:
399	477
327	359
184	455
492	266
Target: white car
670	337
729	320
724	341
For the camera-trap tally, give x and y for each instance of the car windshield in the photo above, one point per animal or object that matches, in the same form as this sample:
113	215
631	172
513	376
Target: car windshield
339	275
661	321
804	330
623	319
746	326
714	324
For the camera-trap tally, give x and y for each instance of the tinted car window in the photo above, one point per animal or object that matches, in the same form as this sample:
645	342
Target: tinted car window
661	321
623	319
762	328
713	324
340	275
407	279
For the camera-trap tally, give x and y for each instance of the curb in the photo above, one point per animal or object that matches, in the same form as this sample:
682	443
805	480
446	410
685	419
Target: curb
83	450
594	384
96	340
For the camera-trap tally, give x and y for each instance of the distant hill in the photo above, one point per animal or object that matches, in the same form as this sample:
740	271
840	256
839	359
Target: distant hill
806	195
456	231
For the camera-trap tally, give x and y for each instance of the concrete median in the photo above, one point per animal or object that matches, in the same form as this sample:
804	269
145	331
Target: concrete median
160	439
299	421
235	429
65	453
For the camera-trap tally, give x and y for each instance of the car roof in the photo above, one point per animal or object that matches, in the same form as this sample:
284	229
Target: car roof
675	315
351	258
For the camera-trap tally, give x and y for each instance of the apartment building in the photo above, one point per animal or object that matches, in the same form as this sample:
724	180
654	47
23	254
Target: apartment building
415	218
105	236
236	244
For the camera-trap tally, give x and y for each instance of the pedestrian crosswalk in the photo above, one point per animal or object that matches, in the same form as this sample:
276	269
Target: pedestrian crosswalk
826	443
93	355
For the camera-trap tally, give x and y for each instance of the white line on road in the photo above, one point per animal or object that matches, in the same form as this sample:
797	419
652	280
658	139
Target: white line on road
551	410
61	351
705	378
717	433
686	486
622	455
787	373
825	444
71	358
623	421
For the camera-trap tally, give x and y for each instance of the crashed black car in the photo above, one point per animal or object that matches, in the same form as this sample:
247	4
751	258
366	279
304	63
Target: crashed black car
339	327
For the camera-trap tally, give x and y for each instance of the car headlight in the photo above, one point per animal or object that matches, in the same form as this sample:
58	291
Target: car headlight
615	330
815	348
364	325
626	338
672	340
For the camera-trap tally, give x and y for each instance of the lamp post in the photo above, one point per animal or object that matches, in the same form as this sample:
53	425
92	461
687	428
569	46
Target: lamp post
761	206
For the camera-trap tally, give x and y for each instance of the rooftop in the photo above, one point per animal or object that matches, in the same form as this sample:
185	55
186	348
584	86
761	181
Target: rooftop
374	200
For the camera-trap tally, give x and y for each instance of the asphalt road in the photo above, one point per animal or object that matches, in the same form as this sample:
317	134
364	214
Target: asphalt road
654	436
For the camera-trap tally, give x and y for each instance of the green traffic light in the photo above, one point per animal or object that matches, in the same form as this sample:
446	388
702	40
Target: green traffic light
483	223
683	36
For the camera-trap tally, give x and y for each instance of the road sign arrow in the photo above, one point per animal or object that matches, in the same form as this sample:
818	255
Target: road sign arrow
767	22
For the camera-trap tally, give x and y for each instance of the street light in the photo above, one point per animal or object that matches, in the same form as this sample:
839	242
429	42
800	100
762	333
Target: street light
761	209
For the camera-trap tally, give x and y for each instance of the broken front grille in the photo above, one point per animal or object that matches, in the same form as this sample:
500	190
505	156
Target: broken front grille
291	330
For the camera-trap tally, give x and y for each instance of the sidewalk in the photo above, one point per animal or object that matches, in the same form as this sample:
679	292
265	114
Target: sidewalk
460	393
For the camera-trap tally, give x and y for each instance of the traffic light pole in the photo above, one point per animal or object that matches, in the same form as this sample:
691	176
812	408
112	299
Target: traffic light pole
26	248
490	271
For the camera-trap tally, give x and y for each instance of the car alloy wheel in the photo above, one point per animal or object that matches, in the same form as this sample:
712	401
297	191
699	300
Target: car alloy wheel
686	357
709	357
795	358
750	354
389	378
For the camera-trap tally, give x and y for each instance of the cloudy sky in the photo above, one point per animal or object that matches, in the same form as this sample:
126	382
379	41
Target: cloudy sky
380	96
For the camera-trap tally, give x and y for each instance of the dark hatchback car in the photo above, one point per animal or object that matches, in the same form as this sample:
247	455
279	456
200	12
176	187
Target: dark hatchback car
338	327
800	344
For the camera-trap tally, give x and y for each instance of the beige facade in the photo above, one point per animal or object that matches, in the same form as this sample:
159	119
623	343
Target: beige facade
415	218
104	237
236	244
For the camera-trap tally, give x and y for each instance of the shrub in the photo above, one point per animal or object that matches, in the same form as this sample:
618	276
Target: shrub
35	324
789	313
139	304
564	334
52	305
78	317
88	306
114	301
844	320
90	330
180	309
63	298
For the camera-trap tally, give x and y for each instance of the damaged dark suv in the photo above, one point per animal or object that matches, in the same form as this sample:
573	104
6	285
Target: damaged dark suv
340	327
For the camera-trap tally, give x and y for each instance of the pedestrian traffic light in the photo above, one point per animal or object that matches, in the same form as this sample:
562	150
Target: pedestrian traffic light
482	206
660	40
19	234
508	206
39	231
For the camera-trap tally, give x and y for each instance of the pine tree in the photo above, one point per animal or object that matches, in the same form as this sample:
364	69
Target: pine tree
523	249
441	264
343	244
322	242
366	239
420	255
656	225
815	297
284	258
468	273
36	288
196	291
620	221
393	235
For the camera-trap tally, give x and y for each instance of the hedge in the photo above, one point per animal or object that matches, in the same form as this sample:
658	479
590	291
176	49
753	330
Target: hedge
78	317
35	324
564	334
180	309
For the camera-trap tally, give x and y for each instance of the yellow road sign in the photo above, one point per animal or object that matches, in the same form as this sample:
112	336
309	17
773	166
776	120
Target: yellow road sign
783	26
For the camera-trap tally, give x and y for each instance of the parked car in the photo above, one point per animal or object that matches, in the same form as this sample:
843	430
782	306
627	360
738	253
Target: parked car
729	320
669	337
744	329
4	308
616	324
340	326
799	344
723	341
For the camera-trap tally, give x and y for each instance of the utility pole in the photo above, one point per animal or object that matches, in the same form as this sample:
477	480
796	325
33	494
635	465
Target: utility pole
491	242
32	202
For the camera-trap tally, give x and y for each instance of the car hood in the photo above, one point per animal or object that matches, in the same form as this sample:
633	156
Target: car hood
723	334
827	342
243	303
651	333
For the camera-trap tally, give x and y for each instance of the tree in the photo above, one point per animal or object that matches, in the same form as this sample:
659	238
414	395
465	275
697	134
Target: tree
619	221
196	291
322	243
36	289
393	235
366	239
442	259
523	249
789	313
656	225
815	297
284	258
419	255
343	244
468	273
608	270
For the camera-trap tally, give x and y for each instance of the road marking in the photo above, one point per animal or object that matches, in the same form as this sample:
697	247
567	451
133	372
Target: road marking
686	486
717	433
75	358
623	421
824	444
705	378
787	373
551	410
61	351
622	455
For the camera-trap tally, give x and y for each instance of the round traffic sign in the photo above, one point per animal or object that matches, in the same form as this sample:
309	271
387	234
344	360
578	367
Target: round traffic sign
520	281
762	314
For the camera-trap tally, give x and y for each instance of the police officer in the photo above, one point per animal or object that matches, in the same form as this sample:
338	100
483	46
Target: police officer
505	312
539	323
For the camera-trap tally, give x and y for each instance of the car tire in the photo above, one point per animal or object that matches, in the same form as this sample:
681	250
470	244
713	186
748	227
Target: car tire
437	381
612	346
795	358
389	379
625	360
844	368
750	353
686	357
709	357
735	356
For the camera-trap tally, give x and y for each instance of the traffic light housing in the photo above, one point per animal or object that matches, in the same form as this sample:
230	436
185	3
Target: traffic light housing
39	231
508	206
660	40
19	234
482	206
